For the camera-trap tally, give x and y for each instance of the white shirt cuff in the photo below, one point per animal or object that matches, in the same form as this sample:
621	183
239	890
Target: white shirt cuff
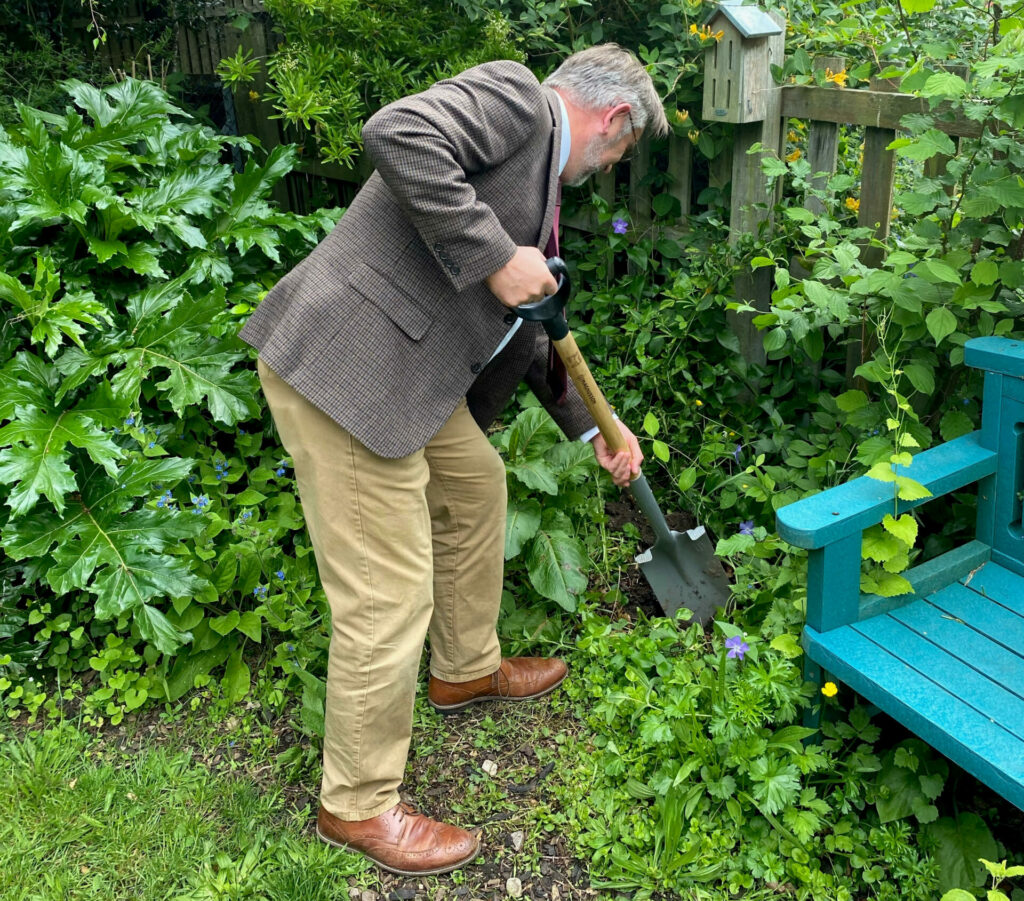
589	434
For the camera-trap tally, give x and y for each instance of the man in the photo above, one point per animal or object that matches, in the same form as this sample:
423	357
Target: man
382	355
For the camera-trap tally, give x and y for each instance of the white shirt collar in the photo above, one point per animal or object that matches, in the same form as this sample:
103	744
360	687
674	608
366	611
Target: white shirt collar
563	153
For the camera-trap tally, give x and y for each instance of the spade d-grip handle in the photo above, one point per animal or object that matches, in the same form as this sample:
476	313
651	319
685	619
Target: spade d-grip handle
548	312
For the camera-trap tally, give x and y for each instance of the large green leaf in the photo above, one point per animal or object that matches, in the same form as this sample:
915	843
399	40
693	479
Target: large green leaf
557	563
522	520
960	843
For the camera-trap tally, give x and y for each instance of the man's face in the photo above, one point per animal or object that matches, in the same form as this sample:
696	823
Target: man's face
602	152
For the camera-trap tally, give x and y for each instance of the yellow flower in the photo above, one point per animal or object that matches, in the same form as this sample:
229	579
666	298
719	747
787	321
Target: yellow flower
829	689
693	135
699	403
794	156
853	204
792	136
693	29
837	78
254	95
719	35
682	115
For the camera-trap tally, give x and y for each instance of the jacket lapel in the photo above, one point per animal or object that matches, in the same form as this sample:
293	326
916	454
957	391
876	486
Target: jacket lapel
552	173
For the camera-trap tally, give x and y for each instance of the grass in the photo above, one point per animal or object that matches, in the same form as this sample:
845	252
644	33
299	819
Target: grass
204	805
87	819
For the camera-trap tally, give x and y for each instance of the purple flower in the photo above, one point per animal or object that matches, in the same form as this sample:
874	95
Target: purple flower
620	226
736	453
747	527
737	647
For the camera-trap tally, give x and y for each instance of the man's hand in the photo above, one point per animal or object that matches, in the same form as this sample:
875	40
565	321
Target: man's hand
623	466
523	279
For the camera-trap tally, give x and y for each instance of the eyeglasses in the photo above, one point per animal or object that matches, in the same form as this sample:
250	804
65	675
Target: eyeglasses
631	150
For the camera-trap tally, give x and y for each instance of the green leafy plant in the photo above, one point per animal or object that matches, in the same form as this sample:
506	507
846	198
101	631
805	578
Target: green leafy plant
130	251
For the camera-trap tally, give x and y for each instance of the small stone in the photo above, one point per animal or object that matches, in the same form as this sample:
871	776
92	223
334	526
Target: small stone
368	895
555	893
517	840
514	887
405	894
354	893
489	767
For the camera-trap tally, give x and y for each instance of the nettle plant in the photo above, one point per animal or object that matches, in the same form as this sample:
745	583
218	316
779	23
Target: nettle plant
953	269
130	251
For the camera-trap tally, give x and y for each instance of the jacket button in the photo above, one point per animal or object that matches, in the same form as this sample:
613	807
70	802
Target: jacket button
475	368
455	270
438	247
510	318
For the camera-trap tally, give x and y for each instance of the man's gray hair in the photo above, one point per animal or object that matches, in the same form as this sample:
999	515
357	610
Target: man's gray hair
607	74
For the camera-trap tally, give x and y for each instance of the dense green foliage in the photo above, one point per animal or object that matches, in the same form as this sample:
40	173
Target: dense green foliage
132	253
135	545
341	60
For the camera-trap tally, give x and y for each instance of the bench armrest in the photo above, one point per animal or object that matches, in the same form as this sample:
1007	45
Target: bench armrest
848	509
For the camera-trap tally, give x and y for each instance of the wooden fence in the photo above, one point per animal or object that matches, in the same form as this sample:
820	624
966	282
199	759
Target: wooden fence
877	111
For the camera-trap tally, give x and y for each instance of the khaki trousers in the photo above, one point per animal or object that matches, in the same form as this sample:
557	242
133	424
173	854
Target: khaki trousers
403	547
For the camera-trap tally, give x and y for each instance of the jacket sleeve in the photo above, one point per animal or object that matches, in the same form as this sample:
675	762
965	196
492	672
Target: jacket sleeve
427	147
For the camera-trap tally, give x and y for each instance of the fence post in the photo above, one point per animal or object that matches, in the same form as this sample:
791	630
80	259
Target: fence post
822	143
753	41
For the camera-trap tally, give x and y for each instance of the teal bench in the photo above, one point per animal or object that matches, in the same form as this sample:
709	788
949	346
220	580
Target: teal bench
948	660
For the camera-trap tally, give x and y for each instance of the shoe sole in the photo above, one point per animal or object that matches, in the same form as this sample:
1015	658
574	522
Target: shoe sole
390	869
454	708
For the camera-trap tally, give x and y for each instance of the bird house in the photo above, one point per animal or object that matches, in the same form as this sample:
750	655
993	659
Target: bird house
737	70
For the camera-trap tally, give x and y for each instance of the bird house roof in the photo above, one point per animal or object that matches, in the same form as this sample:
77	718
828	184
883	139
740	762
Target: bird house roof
750	21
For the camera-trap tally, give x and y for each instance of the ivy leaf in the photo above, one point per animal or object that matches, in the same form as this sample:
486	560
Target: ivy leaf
909	489
555	563
521	523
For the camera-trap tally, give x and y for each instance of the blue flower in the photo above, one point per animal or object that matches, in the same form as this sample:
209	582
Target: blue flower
260	591
152	444
966	401
241	431
291	647
736	453
245	517
747	527
620	226
280	574
130	420
737	647
279	471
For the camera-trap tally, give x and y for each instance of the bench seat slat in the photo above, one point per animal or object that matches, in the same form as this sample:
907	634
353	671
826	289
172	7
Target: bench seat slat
986	695
952	727
1003	586
933	620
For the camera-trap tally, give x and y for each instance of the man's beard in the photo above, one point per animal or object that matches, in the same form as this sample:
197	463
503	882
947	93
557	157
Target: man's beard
591	161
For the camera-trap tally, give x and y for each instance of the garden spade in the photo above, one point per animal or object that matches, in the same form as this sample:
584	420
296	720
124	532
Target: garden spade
681	567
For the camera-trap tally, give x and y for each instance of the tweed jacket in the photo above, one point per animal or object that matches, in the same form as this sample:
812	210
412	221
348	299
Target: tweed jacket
388	324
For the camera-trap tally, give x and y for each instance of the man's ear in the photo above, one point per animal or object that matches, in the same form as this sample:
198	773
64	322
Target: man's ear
620	110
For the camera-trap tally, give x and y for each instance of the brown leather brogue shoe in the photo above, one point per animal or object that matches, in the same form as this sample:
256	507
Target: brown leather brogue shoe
402	840
517	679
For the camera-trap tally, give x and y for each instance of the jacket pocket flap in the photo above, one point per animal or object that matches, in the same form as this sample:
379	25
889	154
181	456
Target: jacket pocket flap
391	300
